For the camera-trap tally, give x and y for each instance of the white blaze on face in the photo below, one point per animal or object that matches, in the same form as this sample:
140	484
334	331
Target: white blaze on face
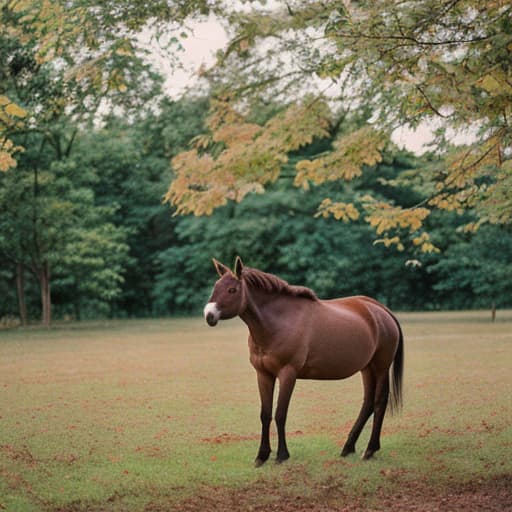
211	313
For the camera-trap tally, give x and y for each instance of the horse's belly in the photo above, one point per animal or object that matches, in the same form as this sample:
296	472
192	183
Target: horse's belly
331	369
335	355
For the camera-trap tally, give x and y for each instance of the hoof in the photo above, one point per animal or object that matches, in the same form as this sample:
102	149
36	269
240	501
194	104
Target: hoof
280	460
261	457
347	451
259	462
368	454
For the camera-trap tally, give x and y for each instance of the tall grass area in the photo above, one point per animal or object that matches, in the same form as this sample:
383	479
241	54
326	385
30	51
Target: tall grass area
124	415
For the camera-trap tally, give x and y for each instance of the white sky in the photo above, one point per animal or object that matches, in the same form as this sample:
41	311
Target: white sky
199	50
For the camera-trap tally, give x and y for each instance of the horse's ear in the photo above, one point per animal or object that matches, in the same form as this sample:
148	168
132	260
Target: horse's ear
239	266
220	268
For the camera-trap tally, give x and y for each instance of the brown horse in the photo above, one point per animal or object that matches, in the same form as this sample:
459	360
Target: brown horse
294	335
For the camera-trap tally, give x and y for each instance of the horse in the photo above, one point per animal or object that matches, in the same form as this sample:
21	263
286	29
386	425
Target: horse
295	335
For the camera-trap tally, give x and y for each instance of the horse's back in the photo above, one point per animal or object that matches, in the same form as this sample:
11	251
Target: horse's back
346	335
379	318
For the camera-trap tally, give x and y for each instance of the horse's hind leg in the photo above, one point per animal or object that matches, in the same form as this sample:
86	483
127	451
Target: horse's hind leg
364	414
381	402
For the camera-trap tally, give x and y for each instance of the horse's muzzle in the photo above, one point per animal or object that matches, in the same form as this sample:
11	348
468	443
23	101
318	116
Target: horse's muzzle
211	314
211	320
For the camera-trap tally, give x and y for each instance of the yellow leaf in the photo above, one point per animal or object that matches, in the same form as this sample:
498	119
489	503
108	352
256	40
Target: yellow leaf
471	227
340	211
124	52
6	161
388	242
233	134
15	110
244	45
345	162
429	247
489	83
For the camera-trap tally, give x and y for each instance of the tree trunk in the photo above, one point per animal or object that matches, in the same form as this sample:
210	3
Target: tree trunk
20	287
46	300
493	311
76	304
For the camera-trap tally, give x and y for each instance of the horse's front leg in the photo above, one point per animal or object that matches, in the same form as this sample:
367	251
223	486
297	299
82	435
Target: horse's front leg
266	383
287	377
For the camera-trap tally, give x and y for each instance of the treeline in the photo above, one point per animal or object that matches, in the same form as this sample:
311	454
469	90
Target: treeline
84	232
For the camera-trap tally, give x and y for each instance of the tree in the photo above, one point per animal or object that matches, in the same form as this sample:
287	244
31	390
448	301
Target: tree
49	222
131	163
278	232
436	61
476	270
62	66
91	267
92	53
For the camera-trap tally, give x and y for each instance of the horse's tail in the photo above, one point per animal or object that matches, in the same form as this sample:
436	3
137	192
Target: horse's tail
397	372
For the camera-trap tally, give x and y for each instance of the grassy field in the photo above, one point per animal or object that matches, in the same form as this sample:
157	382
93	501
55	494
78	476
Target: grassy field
164	415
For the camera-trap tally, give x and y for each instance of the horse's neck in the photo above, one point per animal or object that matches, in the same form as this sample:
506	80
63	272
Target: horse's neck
264	314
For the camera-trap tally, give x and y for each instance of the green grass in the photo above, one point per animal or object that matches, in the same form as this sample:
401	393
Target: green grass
124	415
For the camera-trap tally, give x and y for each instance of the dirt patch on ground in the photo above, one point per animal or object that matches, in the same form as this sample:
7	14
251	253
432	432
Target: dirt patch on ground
233	438
493	495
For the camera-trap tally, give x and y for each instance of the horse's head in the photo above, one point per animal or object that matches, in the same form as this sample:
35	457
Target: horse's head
228	296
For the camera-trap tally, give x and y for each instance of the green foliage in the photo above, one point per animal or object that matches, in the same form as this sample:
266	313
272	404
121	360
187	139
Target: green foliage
95	215
103	210
476	271
131	163
8	299
238	157
442	63
131	181
74	60
90	269
49	219
278	232
61	65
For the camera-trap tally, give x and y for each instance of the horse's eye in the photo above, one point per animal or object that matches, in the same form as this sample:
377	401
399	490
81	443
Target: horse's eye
232	290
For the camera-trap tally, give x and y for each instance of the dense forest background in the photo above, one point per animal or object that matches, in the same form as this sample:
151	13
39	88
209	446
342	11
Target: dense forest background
90	205
100	170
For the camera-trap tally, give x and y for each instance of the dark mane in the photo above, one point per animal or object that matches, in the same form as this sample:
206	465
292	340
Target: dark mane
273	284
